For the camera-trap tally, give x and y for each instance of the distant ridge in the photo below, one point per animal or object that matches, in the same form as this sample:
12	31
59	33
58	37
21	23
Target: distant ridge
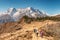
16	14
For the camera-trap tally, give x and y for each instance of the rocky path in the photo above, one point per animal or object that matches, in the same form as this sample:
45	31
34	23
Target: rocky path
21	35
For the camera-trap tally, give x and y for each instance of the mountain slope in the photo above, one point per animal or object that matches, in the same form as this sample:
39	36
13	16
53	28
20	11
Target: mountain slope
6	18
24	31
29	11
16	14
11	11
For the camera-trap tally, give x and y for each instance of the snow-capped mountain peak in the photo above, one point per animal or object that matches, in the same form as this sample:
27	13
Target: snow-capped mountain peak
11	11
29	8
16	14
29	11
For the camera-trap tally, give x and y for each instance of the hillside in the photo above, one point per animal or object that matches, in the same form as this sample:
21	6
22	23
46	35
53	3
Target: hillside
23	29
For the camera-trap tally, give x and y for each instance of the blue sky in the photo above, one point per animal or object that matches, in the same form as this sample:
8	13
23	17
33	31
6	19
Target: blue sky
49	6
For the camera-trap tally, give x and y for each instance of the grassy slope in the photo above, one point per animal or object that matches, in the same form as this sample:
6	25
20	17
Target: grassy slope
26	23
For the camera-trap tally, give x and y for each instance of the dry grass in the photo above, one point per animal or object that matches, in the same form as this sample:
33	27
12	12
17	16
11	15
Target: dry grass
24	31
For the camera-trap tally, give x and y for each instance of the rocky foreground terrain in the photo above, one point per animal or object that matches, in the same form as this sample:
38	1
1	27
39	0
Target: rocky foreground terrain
23	30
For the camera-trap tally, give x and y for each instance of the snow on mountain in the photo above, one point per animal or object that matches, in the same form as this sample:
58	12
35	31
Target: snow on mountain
11	11
5	18
30	12
13	14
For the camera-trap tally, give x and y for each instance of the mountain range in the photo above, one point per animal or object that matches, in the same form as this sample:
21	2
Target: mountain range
19	24
13	14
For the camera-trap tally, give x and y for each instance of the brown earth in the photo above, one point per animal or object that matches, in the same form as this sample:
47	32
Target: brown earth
24	31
